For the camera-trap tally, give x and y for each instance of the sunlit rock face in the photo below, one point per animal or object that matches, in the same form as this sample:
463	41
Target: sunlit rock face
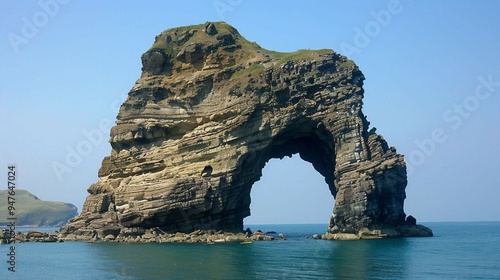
210	109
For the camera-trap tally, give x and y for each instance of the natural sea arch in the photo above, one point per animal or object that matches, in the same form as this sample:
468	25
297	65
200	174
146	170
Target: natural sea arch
290	191
210	109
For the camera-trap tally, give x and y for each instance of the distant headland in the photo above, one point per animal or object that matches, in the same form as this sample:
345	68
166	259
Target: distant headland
33	212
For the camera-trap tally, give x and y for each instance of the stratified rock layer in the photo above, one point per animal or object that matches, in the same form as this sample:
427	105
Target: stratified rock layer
210	109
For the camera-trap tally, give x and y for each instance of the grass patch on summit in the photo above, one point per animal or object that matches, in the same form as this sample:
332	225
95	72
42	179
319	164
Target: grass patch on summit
300	55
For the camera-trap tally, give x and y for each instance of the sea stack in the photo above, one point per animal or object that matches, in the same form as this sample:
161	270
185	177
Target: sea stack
210	109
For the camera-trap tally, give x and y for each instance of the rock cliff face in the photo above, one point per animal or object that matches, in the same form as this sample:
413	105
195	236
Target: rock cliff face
210	109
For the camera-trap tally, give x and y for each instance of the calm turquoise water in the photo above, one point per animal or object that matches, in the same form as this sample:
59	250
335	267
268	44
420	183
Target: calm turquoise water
457	251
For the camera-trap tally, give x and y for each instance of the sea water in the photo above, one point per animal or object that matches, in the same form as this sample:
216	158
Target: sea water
457	250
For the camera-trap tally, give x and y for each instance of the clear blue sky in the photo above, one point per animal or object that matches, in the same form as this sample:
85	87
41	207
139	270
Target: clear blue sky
432	90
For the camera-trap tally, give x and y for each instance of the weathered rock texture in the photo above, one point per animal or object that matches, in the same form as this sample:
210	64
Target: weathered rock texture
210	109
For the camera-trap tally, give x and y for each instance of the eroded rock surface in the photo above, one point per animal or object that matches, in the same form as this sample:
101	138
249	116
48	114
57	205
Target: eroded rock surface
210	109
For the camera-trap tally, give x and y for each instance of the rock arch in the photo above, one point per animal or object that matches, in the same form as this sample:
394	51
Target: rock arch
210	109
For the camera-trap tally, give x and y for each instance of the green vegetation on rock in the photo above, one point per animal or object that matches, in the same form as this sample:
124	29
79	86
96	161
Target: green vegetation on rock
168	43
31	211
346	64
191	32
299	55
254	69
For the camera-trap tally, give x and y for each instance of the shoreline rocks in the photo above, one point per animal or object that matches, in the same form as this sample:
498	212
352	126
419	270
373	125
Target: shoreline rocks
405	230
29	236
158	236
205	236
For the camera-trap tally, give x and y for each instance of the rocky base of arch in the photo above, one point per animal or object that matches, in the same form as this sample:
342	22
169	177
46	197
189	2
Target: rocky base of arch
403	230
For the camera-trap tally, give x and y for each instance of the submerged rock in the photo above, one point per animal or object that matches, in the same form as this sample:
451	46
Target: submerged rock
208	112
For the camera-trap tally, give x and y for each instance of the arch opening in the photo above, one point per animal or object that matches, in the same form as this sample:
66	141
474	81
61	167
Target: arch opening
313	145
290	191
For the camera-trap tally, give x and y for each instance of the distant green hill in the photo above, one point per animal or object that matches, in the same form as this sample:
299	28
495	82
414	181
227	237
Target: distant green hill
31	211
